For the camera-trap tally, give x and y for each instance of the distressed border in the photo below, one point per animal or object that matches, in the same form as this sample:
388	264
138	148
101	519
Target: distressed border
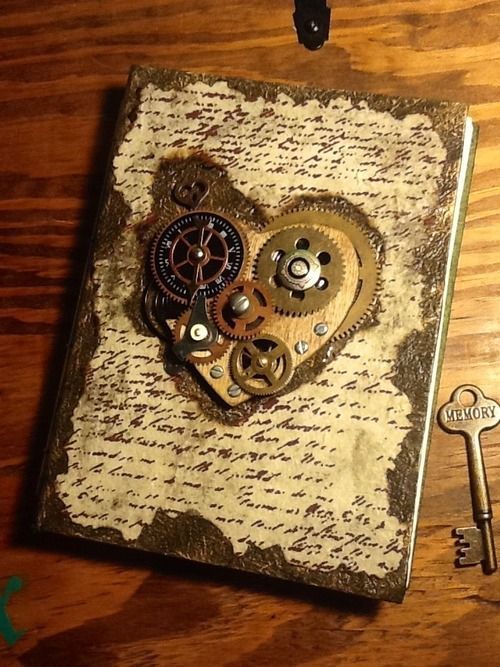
189	535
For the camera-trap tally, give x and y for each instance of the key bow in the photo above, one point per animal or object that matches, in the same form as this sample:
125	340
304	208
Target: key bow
456	417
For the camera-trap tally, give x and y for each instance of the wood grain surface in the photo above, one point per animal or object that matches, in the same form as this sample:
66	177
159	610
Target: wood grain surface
63	67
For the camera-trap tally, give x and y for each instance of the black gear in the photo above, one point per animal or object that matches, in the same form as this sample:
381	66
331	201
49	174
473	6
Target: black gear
198	251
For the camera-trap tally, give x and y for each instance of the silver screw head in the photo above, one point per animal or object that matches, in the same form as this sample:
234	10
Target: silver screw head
234	391
301	347
216	372
321	329
299	270
239	303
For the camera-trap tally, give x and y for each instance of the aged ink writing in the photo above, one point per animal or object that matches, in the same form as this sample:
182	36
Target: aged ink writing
309	474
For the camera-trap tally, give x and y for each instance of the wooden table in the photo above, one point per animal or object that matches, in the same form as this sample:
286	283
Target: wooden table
62	70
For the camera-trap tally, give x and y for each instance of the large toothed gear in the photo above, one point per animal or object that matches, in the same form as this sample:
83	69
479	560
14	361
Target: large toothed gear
302	267
208	353
367	244
243	309
261	366
198	252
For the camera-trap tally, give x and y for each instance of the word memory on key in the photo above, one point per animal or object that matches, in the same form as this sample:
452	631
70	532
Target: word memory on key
476	542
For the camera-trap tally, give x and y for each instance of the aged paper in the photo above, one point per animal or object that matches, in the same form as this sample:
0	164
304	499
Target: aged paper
309	474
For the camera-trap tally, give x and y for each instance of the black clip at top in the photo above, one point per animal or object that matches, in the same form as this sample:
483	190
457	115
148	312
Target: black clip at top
312	22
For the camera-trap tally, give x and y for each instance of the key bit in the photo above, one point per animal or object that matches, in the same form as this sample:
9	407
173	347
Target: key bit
470	545
470	421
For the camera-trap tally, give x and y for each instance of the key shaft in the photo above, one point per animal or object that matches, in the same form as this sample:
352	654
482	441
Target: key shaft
480	496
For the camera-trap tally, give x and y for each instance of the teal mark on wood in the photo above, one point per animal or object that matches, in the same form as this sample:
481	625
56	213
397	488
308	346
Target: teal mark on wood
7	630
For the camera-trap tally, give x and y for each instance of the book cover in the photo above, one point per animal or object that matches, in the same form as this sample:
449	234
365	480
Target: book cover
252	371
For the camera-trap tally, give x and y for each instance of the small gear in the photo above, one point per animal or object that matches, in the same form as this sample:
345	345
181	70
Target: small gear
198	251
206	355
302	267
261	366
243	308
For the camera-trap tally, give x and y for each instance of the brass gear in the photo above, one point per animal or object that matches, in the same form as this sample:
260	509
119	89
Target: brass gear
242	309
302	267
261	366
367	244
212	352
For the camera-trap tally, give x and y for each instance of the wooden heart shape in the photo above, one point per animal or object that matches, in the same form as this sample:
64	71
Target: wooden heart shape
304	333
312	273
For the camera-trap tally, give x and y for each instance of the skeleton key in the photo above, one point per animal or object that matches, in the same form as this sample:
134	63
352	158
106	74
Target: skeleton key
476	542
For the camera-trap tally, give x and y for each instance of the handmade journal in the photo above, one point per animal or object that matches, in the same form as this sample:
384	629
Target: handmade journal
252	372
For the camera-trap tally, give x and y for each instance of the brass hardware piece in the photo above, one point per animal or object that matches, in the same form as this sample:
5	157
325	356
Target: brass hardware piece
470	420
197	251
243	308
364	243
196	339
261	366
302	267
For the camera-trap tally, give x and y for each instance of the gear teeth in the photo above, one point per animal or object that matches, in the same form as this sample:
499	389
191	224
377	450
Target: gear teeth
217	350
253	384
372	276
265	311
346	333
171	293
334	273
371	234
152	267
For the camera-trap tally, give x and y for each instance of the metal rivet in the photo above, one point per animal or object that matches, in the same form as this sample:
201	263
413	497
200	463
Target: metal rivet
321	329
234	391
217	372
198	253
198	332
301	347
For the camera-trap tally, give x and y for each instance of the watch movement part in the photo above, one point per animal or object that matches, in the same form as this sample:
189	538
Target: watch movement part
243	308
197	252
302	267
367	245
261	366
196	339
